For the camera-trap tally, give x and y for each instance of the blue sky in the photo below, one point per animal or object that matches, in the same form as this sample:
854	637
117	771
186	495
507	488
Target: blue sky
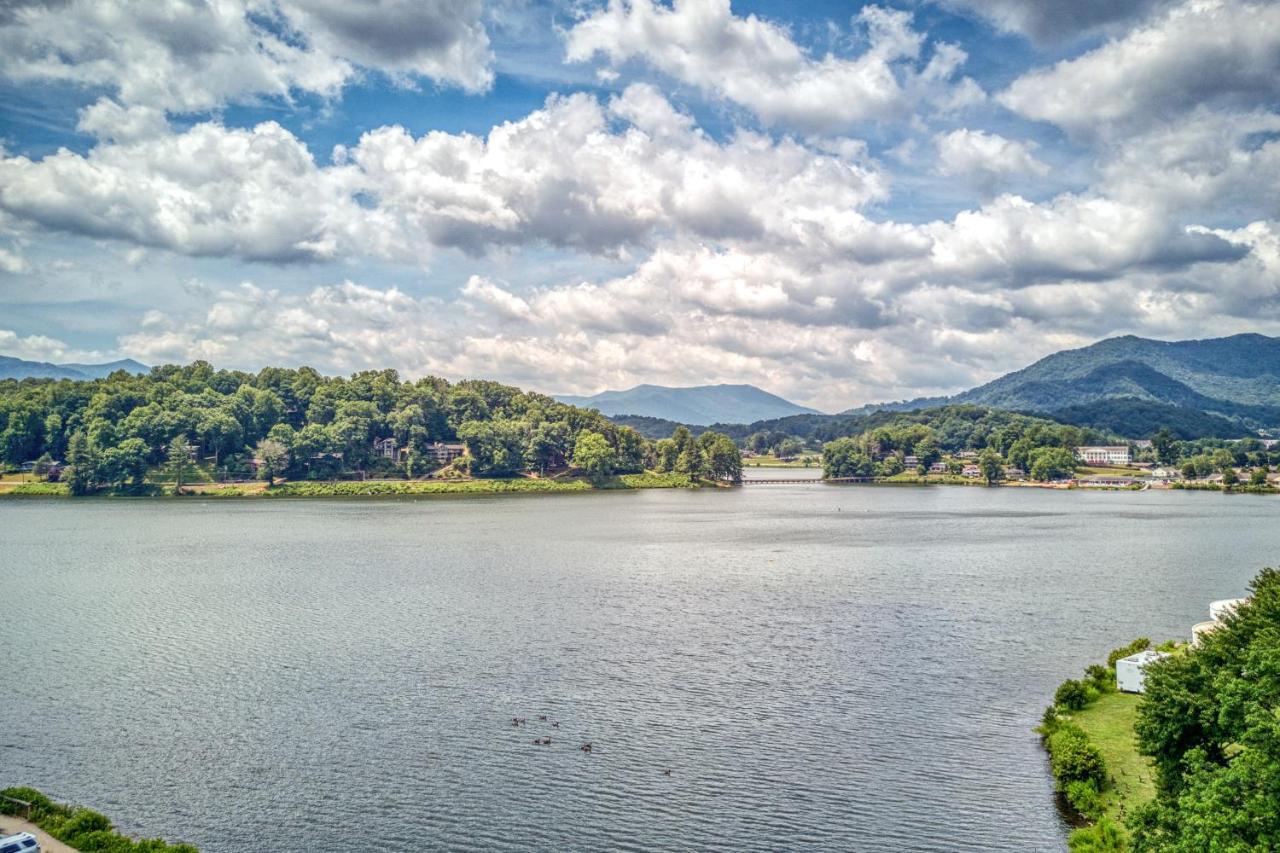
838	202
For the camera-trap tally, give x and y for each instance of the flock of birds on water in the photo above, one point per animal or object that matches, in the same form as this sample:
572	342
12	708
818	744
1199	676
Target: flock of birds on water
519	722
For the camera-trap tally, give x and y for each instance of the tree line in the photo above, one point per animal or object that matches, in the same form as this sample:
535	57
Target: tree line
299	424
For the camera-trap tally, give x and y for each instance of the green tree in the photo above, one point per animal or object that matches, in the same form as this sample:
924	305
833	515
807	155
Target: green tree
721	456
844	457
992	466
1165	445
1051	463
593	454
1230	477
82	465
1258	477
273	459
178	457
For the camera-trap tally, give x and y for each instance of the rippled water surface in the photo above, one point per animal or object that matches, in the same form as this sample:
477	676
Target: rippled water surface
827	667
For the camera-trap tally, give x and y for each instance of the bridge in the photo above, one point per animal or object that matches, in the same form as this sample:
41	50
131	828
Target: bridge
805	481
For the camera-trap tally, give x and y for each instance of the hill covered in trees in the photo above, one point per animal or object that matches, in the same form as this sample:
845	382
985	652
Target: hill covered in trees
302	425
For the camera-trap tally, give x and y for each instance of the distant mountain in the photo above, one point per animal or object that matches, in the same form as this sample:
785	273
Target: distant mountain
1127	384
703	404
18	368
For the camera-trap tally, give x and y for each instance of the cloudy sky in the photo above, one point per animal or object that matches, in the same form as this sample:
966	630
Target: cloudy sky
842	204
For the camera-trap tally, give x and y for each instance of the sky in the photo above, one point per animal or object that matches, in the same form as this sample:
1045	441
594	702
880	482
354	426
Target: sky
839	203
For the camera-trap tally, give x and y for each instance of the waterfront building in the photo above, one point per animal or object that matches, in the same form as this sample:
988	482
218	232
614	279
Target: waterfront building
1104	455
1131	673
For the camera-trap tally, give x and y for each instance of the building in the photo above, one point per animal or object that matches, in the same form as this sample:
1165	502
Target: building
967	454
1104	455
911	461
1012	473
1143	444
1218	610
939	468
971	471
386	448
444	453
1107	482
1131	675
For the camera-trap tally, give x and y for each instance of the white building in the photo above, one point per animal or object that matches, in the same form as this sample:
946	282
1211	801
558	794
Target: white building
1104	455
1131	675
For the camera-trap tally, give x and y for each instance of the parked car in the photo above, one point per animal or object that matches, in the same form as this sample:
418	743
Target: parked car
23	842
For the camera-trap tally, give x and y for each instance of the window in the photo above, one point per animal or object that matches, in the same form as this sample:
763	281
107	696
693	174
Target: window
29	843
10	848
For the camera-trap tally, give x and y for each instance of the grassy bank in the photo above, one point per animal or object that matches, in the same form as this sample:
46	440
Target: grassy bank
83	829
1108	722
386	488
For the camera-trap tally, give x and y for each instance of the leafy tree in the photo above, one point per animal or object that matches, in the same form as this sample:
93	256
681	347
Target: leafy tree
722	458
592	453
992	466
665	455
1051	463
1258	477
1072	695
273	459
179	461
1165	445
1230	477
82	465
844	458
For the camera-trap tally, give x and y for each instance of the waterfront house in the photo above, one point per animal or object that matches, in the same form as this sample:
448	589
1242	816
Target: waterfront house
1107	482
1131	673
1012	473
1117	454
911	461
941	468
972	471
445	453
386	448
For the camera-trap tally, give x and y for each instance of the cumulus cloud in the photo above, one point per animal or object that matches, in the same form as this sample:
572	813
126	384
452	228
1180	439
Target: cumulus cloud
184	57
985	157
756	64
577	173
1206	52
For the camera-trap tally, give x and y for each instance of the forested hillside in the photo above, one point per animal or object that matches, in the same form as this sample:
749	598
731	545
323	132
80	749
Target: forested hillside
300	424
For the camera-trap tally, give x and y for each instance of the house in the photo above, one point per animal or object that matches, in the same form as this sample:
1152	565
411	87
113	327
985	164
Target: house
939	468
967	454
1143	444
1131	673
971	471
1012	473
387	448
1105	482
1166	473
444	453
1104	455
911	461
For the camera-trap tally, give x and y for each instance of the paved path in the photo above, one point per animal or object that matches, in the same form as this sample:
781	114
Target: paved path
48	844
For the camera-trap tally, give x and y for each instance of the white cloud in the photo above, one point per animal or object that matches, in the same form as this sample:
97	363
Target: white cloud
184	57
42	348
1058	20
1217	52
756	63
562	175
988	157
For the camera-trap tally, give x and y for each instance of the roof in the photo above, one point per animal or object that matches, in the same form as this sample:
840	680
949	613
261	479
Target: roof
1145	657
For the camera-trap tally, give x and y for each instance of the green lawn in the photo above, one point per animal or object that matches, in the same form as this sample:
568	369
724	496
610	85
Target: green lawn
1108	471
1109	724
774	462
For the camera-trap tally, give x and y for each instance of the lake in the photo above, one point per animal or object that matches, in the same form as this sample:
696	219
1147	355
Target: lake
818	667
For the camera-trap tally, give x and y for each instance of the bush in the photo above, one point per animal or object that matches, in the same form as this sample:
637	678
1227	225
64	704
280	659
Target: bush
1103	837
1073	695
85	822
1138	645
1084	797
1072	758
1100	678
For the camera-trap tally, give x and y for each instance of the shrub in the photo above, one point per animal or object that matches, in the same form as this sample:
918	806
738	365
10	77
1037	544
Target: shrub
1103	837
1072	695
1084	797
1072	758
1100	677
1138	645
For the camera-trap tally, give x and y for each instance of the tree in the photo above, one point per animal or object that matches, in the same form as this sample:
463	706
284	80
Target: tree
992	466
1165	445
82	465
665	455
844	458
273	459
1258	477
179	461
125	465
721	456
1051	463
592	453
1229	476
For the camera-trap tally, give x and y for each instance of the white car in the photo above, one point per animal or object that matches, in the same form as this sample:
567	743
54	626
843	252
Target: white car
23	842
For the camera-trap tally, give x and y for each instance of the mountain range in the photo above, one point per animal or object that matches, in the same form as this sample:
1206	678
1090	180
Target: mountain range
1211	386
702	404
18	368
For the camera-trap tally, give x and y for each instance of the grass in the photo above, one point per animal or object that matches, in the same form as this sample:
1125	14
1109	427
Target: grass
197	472
83	828
774	462
1109	471
393	488
1109	724
28	489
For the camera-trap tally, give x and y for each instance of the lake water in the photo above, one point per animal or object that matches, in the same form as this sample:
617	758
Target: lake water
821	667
